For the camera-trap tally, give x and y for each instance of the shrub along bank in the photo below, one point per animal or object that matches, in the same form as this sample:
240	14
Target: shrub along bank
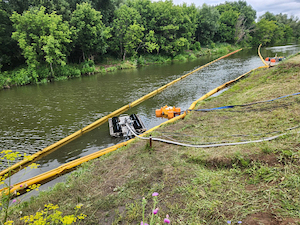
255	183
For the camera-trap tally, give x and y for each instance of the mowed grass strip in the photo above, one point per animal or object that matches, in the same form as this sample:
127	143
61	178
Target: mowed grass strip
256	183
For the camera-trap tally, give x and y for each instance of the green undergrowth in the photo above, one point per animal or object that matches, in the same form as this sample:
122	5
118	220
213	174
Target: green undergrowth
110	64
42	74
256	183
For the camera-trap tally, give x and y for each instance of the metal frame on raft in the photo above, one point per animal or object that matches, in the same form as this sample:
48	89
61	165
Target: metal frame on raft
47	176
118	128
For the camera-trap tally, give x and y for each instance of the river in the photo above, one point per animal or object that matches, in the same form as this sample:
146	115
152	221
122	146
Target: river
35	116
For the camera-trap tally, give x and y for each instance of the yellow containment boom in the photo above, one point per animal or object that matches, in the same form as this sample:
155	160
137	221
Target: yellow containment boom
43	178
262	59
25	162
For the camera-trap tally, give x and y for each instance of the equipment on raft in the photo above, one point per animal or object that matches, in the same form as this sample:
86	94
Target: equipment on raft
167	112
118	128
273	60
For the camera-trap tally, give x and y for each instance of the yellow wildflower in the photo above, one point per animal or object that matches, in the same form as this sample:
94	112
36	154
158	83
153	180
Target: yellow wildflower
68	219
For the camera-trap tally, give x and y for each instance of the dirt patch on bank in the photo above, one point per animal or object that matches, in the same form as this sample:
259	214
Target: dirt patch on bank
265	218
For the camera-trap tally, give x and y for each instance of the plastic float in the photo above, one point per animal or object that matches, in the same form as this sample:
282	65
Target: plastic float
167	112
274	60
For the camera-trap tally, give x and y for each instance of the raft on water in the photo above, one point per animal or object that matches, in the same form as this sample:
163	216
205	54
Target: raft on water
118	128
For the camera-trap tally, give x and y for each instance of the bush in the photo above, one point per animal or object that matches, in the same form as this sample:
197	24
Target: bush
192	56
67	71
111	69
141	61
196	46
180	57
102	70
87	67
43	73
128	65
43	81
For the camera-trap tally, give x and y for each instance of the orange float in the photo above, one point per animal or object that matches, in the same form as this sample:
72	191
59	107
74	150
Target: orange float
167	112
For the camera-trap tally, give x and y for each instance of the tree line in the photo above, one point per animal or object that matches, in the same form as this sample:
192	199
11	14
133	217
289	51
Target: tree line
58	32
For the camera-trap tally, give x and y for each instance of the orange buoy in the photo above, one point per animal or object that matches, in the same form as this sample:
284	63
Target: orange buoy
267	59
273	60
170	114
177	111
158	112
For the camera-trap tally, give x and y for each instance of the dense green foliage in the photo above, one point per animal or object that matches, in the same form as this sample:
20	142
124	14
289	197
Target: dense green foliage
42	37
48	35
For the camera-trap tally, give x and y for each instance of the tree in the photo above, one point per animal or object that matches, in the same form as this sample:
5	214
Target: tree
246	12
61	7
127	31
132	38
107	8
236	21
166	22
268	16
208	17
226	32
42	37
90	34
145	9
264	32
19	5
10	53
188	23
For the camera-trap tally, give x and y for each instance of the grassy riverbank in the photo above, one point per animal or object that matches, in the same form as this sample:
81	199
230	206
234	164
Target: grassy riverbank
24	76
256	183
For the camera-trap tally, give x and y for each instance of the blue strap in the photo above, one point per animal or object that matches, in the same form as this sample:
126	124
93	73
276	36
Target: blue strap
232	106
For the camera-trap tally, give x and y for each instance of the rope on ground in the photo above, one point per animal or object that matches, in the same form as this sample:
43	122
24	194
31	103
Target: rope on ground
207	146
233	135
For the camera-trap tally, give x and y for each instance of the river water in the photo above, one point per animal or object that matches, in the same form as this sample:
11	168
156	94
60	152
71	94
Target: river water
36	116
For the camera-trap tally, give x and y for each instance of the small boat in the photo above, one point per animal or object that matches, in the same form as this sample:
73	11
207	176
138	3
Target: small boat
118	126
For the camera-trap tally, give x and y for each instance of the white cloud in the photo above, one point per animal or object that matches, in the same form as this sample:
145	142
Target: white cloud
289	7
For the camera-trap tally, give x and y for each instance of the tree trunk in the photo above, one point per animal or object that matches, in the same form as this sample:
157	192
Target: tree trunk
52	69
124	55
83	55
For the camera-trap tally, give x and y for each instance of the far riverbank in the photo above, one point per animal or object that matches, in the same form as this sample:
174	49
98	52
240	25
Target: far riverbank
42	75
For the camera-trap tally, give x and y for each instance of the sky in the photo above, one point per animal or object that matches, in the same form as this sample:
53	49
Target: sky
289	7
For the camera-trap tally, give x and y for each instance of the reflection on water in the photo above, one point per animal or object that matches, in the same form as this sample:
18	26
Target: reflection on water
36	116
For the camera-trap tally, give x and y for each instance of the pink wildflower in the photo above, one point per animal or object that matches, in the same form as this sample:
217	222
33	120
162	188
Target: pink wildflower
142	223
14	200
155	211
166	220
154	194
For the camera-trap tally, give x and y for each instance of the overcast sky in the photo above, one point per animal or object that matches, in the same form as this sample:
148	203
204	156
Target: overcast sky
289	7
